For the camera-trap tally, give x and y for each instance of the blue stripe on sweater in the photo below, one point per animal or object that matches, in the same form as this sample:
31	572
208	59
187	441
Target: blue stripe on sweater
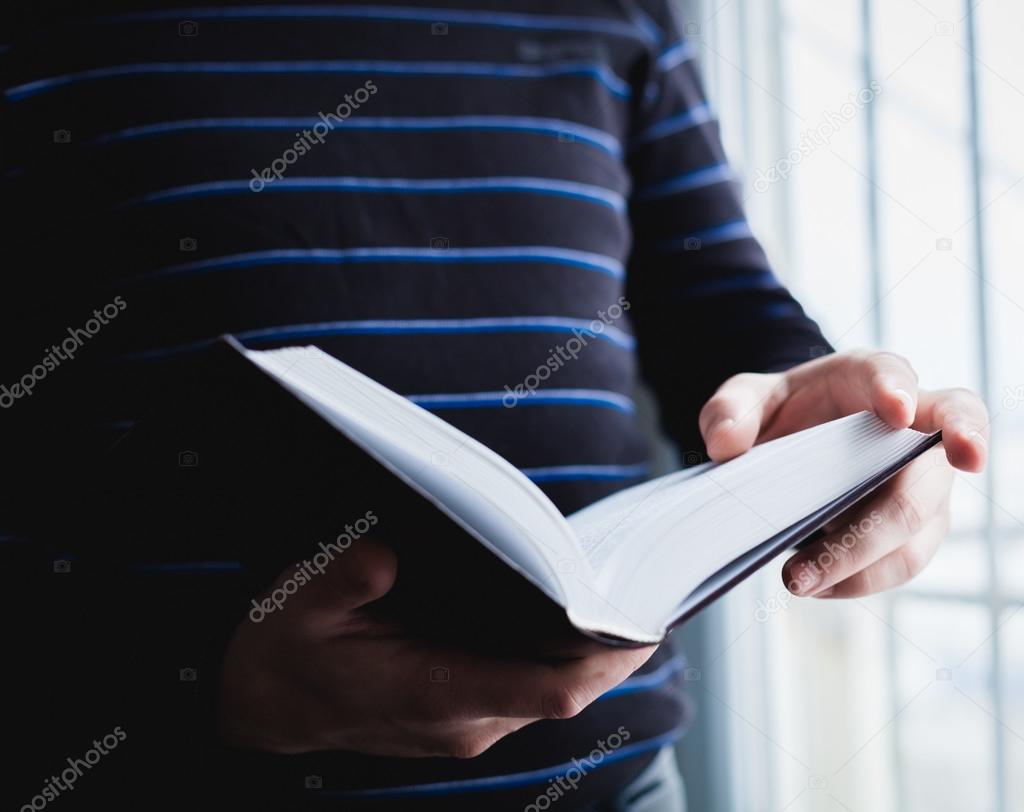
565	131
490	185
676	55
492	19
397	254
618	87
696	179
292	332
715	235
694	117
508	781
548	397
647	682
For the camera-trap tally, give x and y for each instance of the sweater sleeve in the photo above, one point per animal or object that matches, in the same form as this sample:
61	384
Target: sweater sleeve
704	299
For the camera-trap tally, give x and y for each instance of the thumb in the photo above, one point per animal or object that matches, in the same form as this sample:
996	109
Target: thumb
320	593
732	419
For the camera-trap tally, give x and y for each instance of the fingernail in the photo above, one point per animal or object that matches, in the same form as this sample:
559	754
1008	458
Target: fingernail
905	397
825	593
970	431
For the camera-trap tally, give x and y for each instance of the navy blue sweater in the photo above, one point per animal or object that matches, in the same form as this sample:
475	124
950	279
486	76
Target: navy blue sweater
509	212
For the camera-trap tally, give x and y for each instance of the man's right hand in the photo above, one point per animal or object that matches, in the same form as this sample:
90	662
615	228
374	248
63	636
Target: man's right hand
322	673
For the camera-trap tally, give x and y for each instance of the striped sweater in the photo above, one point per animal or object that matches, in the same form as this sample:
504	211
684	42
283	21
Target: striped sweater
509	212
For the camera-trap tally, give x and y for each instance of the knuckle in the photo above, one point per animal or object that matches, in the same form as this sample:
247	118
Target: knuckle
907	511
970	401
864	582
965	393
852	550
856	358
741	382
748	378
885	359
468	746
853	364
911	560
846	550
856	584
561	703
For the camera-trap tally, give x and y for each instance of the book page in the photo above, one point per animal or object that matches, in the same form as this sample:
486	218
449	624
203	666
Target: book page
664	538
597	525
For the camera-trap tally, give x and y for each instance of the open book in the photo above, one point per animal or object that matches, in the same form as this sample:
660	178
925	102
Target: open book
628	568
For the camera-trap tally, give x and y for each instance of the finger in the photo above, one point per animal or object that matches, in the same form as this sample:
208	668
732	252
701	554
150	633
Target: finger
319	594
886	384
469	739
896	514
732	419
963	420
893	569
520	689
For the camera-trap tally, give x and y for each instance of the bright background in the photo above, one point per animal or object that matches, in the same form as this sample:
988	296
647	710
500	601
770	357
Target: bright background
903	231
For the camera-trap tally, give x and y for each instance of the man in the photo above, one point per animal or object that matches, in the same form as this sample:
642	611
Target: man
440	197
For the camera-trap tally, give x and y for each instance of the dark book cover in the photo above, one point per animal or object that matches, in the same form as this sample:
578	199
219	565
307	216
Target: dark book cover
234	468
